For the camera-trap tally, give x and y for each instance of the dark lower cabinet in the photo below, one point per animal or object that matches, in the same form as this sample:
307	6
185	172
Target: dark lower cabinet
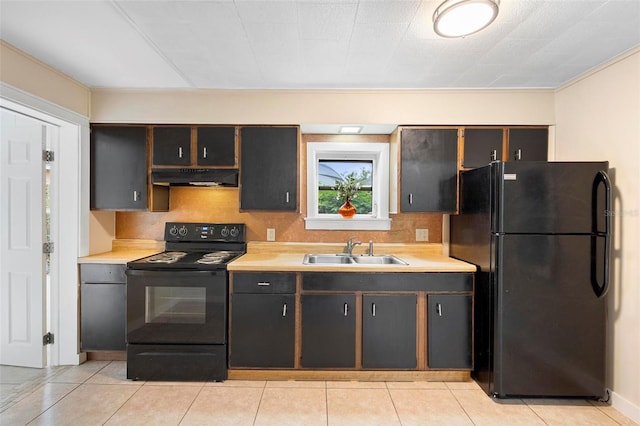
102	307
389	331
262	330
449	331
329	330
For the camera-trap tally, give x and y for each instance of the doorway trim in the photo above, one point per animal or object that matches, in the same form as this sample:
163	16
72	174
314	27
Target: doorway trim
71	232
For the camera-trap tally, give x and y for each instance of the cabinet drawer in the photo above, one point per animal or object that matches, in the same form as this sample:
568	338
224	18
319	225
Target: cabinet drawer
264	282
388	281
102	273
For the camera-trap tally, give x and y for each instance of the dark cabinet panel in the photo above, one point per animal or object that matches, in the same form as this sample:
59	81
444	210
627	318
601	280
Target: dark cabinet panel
429	170
216	146
119	167
264	282
389	331
172	146
328	331
262	330
481	146
269	168
528	144
449	331
102	307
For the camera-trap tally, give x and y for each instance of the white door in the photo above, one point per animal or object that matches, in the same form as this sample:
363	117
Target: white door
22	233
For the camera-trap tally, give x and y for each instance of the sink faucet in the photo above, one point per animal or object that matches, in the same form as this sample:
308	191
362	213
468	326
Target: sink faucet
370	250
350	245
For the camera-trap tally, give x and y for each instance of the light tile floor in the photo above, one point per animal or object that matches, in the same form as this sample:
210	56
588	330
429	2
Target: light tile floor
97	393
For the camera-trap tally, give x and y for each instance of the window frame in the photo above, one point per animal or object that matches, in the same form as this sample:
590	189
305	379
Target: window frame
378	153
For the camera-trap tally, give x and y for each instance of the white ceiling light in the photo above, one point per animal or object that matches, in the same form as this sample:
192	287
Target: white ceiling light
459	18
350	129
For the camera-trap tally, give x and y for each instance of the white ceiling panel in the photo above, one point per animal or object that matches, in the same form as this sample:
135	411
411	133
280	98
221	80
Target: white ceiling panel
319	44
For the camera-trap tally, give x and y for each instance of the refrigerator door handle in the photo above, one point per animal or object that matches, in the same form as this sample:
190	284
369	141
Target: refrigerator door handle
601	178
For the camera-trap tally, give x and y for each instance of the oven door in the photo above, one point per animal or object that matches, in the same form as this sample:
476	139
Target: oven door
176	307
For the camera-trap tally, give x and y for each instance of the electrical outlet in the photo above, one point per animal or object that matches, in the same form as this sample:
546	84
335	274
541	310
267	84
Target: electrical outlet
271	234
422	235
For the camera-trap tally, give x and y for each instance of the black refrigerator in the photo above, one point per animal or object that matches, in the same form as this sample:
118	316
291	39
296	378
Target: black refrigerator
540	235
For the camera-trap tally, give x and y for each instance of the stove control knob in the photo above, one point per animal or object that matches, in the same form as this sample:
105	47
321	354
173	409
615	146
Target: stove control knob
173	230
235	232
183	231
225	232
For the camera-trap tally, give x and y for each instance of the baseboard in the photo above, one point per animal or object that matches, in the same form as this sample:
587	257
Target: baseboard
625	407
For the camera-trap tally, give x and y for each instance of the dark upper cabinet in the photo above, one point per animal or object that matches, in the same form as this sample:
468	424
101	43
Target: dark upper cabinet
269	168
528	144
429	170
216	146
119	167
389	331
449	331
329	330
481	146
171	146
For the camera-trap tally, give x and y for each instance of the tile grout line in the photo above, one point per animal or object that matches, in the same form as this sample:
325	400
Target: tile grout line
255	417
460	404
395	409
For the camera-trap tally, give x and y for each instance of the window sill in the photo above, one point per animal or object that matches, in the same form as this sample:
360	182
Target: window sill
338	223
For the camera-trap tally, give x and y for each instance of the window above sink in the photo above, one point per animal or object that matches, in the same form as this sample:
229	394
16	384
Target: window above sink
326	159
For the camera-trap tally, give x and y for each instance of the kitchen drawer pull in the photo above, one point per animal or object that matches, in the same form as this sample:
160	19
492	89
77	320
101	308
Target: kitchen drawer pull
346	309
439	309
179	152
517	155
264	283
204	152
284	310
373	309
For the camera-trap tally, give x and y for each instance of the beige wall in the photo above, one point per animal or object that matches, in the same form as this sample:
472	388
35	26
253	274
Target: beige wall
326	106
26	73
598	118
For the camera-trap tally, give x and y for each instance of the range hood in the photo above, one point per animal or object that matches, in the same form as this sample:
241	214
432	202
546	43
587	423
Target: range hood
195	177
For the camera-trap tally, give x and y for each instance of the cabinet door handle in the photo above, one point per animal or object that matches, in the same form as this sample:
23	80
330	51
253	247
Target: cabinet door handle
135	195
517	155
287	197
494	155
179	152
264	283
439	309
373	309
346	309
410	198
204	152
284	310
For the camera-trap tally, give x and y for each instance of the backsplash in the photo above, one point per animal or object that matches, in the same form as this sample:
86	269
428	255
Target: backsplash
194	204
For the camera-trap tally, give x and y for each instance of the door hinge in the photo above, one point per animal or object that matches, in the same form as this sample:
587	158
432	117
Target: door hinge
48	156
48	339
47	247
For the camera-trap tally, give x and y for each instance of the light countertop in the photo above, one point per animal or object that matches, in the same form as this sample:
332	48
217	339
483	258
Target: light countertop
287	257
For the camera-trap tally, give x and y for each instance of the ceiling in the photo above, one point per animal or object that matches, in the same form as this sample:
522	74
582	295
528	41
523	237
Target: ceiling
316	44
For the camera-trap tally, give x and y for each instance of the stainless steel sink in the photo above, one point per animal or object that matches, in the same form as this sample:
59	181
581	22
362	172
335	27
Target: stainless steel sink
345	259
385	259
325	259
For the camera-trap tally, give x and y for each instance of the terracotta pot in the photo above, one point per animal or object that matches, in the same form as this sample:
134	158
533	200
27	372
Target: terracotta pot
347	210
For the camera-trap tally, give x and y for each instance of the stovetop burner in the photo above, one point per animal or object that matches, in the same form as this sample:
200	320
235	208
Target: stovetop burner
199	246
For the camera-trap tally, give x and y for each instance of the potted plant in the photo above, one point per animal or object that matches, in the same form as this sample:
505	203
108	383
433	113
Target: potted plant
347	189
